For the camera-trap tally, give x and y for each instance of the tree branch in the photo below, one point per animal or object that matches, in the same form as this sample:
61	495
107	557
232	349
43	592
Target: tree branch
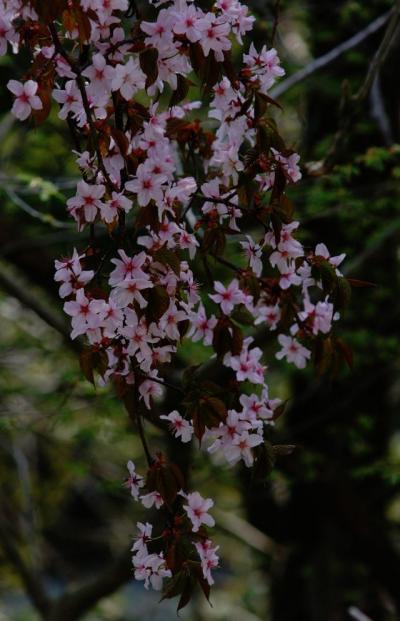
351	104
29	576
378	112
249	534
12	286
329	57
45	218
75	603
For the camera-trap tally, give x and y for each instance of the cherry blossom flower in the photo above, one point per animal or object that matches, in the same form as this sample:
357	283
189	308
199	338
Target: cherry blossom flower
269	314
241	446
254	252
265	65
159	32
140	543
289	276
134	481
293	351
85	206
186	23
255	408
153	498
170	320
113	319
137	333
150	388
69	98
202	327
100	75
224	435
26	99
127	267
322	251
247	364
151	568
128	79
208	557
146	185
181	427
129	290
7	34
214	35
319	315
242	22
289	164
227	297
86	314
117	204
69	272
196	510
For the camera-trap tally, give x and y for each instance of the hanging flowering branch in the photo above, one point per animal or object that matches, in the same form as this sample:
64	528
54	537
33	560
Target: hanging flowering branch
181	187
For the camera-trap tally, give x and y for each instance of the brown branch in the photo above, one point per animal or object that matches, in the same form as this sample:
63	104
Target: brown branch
164	383
228	264
85	101
276	11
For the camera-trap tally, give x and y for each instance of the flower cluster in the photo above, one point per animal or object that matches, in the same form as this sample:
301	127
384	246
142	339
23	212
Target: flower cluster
185	519
173	192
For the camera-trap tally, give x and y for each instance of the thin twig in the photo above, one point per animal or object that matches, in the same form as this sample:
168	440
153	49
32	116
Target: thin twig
381	54
165	384
45	218
85	102
276	11
228	264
